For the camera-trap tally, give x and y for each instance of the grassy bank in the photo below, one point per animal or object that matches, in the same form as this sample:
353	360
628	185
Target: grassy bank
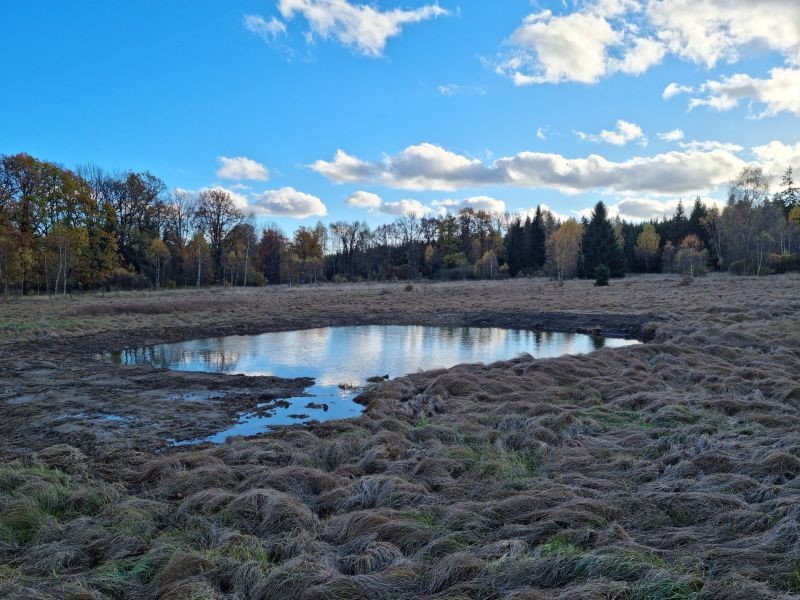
667	470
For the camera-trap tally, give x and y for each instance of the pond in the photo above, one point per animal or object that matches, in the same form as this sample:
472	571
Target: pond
342	359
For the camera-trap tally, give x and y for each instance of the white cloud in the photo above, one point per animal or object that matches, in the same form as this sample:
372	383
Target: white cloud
241	167
374	203
778	93
552	49
288	202
362	27
477	203
421	167
671	136
643	54
709	145
430	167
673	89
405	207
776	157
603	37
710	31
540	133
268	30
364	200
625	132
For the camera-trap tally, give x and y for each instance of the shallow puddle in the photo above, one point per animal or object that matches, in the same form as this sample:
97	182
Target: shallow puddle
342	359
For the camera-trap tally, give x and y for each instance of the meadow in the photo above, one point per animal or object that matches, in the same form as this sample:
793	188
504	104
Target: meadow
666	470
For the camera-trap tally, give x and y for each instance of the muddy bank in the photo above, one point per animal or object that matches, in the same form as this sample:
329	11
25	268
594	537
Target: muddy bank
151	408
94	405
629	326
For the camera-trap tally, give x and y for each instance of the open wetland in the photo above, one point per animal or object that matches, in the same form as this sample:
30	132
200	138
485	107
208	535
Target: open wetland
342	360
526	445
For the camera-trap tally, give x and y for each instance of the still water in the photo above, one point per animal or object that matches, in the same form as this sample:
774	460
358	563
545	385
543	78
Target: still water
341	359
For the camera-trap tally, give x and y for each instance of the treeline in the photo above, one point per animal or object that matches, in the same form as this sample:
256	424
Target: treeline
64	230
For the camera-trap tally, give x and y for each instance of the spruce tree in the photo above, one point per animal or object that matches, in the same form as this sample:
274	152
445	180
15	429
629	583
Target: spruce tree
679	225
514	247
600	245
527	258
699	212
538	252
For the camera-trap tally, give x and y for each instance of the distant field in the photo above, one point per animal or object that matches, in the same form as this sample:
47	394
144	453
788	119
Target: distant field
669	470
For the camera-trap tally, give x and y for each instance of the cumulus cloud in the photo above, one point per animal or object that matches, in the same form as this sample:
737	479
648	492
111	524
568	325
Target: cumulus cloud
288	202
776	157
430	167
421	167
374	203
710	31
364	200
360	26
625	132
643	54
553	49
241	167
540	133
269	31
583	46
604	37
405	207
674	135
778	93
673	89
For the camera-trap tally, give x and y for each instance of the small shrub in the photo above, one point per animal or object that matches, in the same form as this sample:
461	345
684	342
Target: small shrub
409	287
738	267
784	263
686	280
602	274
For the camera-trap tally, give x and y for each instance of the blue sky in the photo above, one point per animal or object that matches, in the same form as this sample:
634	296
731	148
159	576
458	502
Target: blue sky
498	105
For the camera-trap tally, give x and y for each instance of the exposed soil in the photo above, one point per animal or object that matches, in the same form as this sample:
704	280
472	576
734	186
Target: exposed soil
666	470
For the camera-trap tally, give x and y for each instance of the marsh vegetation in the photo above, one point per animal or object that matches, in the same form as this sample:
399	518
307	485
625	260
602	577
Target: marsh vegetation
662	470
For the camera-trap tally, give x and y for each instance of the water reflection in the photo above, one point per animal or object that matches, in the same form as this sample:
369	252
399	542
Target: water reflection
338	358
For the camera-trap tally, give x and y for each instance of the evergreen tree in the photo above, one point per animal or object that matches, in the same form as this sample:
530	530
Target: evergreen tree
514	247
527	245
789	197
630	233
678	225
600	245
538	238
695	227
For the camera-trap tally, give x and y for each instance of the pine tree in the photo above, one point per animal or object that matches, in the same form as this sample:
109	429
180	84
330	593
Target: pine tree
600	245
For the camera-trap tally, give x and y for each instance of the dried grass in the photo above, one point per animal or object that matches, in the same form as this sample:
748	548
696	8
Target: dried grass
669	470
